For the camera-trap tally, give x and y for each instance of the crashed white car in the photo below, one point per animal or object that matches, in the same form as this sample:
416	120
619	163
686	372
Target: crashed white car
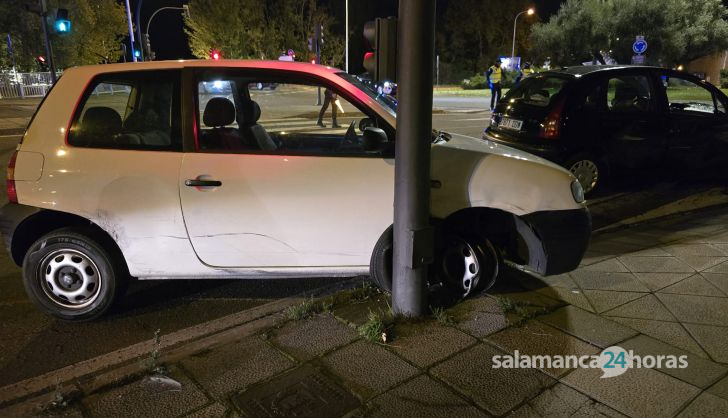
185	169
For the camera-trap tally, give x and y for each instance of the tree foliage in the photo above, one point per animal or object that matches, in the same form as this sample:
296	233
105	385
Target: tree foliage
259	29
474	33
676	30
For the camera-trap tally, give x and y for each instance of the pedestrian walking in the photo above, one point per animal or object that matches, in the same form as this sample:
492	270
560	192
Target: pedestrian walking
494	75
329	99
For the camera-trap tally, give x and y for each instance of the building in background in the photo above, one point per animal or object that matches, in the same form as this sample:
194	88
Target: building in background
709	66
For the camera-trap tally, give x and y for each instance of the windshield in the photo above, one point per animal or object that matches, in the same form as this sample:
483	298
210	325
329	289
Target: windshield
388	102
536	90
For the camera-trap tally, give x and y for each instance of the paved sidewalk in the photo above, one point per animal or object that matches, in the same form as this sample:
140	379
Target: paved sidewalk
657	289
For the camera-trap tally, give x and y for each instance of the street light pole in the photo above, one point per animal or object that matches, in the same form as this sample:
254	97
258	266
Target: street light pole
346	41
149	22
515	21
131	31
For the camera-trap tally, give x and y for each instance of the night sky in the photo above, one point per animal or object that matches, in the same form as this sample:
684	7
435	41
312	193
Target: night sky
170	42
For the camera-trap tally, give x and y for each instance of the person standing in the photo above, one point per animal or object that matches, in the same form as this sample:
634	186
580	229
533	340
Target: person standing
329	99
494	75
524	72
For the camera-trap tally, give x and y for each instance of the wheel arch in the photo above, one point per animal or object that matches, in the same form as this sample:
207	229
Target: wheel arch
45	221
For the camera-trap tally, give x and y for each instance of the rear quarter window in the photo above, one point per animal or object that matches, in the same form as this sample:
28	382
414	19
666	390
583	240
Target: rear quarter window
130	110
537	90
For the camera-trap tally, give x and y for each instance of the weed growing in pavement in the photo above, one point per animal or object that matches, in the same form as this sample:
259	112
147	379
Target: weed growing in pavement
442	316
306	309
151	362
524	310
58	402
376	329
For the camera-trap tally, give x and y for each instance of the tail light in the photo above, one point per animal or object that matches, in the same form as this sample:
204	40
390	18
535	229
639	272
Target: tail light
10	185
551	127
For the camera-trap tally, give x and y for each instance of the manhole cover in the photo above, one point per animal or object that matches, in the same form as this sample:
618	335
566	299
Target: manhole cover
303	392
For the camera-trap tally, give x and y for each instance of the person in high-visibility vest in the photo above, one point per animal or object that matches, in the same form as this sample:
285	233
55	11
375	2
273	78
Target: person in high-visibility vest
494	75
524	72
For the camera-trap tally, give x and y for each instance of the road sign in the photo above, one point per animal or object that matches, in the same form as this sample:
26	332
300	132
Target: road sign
640	45
638	59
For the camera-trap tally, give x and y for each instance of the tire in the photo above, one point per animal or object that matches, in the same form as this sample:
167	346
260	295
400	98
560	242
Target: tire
70	275
467	264
589	170
380	266
483	255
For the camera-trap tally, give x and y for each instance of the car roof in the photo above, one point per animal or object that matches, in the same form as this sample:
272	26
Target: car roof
306	67
581	70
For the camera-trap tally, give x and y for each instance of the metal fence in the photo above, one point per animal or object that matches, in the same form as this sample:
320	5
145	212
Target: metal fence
24	84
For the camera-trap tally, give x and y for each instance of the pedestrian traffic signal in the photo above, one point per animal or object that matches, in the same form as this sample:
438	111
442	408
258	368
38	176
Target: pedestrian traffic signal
215	54
62	24
381	60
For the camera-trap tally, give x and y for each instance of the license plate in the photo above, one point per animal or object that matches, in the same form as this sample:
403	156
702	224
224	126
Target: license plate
513	124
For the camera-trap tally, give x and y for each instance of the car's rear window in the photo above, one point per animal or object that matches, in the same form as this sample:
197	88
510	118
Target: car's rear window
537	90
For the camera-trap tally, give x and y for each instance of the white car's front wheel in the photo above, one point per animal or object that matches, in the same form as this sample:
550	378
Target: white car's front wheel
71	276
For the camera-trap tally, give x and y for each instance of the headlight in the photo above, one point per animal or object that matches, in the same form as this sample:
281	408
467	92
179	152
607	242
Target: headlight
577	191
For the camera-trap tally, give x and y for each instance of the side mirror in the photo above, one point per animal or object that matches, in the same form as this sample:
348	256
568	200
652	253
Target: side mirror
365	123
374	139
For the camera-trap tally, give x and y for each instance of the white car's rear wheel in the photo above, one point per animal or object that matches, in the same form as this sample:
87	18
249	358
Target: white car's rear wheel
71	276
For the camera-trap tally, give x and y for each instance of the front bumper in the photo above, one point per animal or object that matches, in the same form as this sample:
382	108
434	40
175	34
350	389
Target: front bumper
564	236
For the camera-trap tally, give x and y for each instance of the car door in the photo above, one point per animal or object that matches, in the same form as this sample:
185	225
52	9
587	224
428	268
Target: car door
268	187
630	120
698	124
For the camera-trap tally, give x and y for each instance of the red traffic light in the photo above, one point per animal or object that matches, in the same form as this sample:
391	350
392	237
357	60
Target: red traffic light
41	59
313	61
215	54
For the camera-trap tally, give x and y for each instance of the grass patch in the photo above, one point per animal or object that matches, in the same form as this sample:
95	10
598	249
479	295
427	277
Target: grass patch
376	329
308	308
524	310
442	316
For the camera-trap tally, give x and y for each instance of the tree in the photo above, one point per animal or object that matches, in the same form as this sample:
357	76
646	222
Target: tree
676	30
25	32
97	30
258	29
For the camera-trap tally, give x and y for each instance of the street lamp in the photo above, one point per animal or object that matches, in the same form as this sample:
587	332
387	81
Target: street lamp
149	22
529	12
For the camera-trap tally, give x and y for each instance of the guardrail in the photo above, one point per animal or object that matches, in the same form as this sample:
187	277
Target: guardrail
13	85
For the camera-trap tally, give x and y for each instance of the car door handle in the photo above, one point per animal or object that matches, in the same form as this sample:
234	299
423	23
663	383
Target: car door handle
202	183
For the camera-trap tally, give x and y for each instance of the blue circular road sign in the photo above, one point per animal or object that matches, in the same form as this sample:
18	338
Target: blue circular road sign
639	46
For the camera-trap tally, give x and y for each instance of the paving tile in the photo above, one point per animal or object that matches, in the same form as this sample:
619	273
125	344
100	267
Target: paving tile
702	263
496	390
693	285
657	281
422	397
304	392
38	407
699	372
234	367
593	257
604	300
697	309
720	268
720	389
719	280
672	333
214	410
144	399
608	266
637	392
560	280
597	410
313	337
701	249
524	411
647	307
536	339
425	343
651	252
714	340
706	405
722	247
357	313
573	296
368	368
626	282
479	316
655	264
588	326
559	400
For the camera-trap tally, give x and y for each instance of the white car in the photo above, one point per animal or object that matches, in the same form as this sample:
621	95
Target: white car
185	169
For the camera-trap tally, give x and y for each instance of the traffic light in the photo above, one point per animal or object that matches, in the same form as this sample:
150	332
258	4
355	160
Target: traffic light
381	61
215	54
41	61
147	46
62	24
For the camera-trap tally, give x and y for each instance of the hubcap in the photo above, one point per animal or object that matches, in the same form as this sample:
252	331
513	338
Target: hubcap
587	172
70	278
461	265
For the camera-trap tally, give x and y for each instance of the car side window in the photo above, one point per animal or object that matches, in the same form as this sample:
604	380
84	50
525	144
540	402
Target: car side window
629	94
130	110
262	115
684	95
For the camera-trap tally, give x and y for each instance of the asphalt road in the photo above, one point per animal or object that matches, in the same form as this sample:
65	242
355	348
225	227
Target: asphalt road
34	343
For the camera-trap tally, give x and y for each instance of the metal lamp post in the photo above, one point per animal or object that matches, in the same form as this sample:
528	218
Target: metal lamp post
149	22
530	11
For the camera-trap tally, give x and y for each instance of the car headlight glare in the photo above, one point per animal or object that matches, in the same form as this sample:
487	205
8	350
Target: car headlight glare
577	191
